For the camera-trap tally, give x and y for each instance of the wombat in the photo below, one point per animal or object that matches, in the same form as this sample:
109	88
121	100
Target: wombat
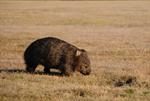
54	53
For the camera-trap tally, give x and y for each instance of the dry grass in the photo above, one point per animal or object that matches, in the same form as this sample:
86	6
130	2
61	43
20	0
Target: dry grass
115	33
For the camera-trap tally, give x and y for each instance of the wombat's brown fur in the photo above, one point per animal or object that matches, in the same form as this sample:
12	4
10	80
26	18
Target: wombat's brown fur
55	53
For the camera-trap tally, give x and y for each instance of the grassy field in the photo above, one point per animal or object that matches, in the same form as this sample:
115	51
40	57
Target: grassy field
116	35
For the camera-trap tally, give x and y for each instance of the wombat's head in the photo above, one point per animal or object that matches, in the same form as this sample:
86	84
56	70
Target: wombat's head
83	62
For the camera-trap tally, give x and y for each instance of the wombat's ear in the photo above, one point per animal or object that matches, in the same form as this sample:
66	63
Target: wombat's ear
83	50
78	53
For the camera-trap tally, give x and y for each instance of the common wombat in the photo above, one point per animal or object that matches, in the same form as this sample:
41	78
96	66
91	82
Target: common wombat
55	53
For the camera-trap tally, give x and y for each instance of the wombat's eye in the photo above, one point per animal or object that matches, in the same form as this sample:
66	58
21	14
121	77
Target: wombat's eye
85	65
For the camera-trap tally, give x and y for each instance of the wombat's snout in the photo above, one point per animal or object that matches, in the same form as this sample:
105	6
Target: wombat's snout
87	72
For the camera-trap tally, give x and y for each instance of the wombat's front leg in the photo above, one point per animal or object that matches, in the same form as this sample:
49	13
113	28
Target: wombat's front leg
67	71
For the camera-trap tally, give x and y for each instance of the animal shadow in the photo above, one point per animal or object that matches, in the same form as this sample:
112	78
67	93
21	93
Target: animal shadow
24	71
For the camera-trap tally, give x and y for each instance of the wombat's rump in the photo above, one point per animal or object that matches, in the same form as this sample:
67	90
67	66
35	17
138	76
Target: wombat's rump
55	53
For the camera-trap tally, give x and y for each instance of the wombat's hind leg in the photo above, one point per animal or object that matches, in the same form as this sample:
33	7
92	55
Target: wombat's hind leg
46	69
31	68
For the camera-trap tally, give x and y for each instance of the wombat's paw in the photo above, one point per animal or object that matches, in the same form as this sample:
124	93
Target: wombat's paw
47	71
30	70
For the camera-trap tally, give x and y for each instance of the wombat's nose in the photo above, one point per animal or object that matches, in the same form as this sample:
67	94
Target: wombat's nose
88	73
85	73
